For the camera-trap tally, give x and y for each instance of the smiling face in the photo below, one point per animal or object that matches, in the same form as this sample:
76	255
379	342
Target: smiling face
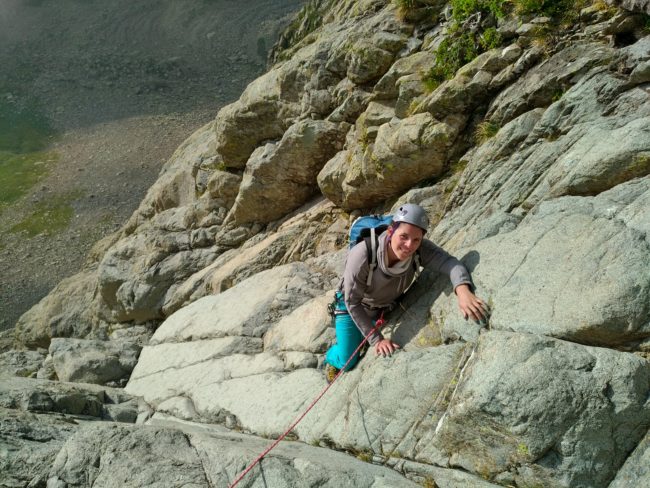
404	241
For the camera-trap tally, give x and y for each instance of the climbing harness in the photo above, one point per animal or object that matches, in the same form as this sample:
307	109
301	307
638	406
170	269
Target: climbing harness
378	324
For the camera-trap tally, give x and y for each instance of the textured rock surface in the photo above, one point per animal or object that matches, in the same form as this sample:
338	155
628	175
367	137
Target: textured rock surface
635	471
280	177
99	362
66	312
21	363
174	454
29	444
553	412
35	395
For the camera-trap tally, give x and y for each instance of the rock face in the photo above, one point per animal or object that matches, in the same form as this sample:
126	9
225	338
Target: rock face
190	455
37	417
533	161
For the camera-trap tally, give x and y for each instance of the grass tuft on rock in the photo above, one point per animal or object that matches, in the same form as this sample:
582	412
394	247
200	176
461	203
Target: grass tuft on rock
485	131
462	44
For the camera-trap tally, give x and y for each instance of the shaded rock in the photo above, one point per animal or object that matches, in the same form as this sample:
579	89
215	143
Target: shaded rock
21	363
555	155
136	456
223	187
411	91
634	5
297	238
367	62
176	185
30	443
353	104
405	152
262	113
87	361
538	87
281	177
443	478
317	103
136	273
641	74
636	470
553	413
47	371
416	63
191	455
68	311
34	395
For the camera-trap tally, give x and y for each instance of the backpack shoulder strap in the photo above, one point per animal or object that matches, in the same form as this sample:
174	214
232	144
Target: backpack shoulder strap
417	263
371	248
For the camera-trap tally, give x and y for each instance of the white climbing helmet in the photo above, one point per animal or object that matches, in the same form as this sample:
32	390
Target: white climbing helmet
412	214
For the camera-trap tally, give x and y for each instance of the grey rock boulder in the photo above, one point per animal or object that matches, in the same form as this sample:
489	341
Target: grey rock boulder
172	454
595	246
549	412
29	444
262	112
368	62
308	328
39	396
564	271
66	312
316	228
281	177
21	363
546	80
136	273
547	153
404	152
92	361
636	470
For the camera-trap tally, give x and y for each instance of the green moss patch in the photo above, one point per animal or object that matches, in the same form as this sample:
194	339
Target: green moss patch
48	217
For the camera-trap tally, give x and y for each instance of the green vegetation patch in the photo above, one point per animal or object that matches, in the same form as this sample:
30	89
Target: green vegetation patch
25	131
463	9
484	131
48	217
19	172
462	45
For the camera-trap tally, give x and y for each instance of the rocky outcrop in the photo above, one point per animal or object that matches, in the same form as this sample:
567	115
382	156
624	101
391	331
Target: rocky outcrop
224	273
280	177
38	416
191	455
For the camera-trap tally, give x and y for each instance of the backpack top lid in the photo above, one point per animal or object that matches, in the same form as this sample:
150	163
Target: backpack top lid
360	228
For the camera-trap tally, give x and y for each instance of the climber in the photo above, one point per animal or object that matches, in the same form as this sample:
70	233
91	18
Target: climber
362	298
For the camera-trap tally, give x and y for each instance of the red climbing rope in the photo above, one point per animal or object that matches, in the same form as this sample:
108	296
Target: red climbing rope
380	322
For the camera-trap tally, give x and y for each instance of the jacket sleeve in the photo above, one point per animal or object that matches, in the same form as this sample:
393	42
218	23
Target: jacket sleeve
436	258
354	287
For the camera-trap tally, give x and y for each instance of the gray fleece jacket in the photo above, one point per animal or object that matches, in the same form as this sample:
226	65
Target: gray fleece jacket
364	303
